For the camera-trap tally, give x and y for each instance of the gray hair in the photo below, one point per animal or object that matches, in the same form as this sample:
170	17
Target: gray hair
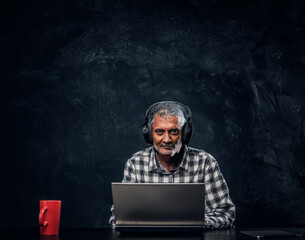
167	109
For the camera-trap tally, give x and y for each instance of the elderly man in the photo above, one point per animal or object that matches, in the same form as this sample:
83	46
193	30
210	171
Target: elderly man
168	128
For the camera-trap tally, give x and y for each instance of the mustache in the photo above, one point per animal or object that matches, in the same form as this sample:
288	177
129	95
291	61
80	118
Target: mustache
168	145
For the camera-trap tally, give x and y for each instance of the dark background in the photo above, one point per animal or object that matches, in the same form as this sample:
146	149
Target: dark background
77	77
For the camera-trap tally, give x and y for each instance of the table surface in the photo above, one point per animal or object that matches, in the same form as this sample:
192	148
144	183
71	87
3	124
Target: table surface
109	234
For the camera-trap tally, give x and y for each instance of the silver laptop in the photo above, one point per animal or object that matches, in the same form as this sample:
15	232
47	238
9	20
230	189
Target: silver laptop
159	206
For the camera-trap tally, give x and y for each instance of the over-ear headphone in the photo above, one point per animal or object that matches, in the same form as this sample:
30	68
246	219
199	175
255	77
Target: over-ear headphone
187	129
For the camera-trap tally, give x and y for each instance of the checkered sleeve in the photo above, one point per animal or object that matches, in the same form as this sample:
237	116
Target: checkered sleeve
112	218
220	210
129	172
129	176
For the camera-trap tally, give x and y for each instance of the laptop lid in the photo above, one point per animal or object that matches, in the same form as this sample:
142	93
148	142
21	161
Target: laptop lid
159	204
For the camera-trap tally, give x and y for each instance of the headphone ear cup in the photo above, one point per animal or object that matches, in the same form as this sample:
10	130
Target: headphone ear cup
146	133
187	132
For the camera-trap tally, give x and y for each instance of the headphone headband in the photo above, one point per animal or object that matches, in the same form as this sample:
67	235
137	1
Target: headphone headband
185	109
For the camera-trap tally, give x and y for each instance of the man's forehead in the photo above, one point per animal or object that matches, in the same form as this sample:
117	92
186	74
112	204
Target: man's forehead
169	121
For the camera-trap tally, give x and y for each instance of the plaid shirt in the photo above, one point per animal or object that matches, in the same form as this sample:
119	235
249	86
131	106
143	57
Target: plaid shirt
197	166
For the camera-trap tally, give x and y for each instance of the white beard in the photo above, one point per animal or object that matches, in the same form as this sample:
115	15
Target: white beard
177	148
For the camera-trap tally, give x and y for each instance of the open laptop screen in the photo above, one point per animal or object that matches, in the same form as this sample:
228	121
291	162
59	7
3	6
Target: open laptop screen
159	204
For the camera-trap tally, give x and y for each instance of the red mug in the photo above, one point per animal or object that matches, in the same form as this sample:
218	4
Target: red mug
49	217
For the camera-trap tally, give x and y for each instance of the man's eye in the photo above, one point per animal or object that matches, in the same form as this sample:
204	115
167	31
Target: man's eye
159	132
175	131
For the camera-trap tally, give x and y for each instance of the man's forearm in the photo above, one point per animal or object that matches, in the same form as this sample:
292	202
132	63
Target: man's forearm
219	220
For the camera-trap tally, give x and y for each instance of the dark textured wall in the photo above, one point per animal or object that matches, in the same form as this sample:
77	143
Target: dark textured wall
78	76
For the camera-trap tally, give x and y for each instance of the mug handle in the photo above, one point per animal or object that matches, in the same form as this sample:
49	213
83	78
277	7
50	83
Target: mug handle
41	216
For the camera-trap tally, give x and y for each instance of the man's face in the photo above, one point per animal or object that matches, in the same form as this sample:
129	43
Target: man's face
166	135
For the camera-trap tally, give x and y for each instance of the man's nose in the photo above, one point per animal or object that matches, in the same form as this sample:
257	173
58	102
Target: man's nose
167	138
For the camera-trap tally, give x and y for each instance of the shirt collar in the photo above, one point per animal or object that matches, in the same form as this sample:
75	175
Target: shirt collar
152	160
184	163
186	159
